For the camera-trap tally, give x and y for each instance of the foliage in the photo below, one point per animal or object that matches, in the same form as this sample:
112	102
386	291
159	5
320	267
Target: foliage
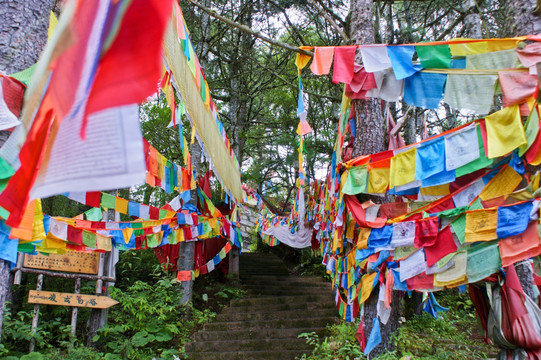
453	336
339	344
148	321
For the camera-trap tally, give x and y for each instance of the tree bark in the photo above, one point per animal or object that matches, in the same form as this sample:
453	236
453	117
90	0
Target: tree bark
370	138
525	22
23	34
186	249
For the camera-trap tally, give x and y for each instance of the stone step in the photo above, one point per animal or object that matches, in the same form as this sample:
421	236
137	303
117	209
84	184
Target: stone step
268	324
247	345
256	334
281	299
283	307
265	279
275	315
288	290
249	355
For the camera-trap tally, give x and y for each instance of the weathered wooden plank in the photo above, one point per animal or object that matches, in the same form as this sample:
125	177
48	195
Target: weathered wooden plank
71	261
66	299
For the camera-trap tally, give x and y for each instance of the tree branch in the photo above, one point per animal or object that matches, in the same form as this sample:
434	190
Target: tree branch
330	20
250	31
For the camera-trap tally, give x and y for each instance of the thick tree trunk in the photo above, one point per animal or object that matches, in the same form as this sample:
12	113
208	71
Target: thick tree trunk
526	22
370	138
23	34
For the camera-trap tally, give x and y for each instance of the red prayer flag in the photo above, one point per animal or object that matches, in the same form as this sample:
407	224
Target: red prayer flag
129	71
185	275
344	61
426	232
445	244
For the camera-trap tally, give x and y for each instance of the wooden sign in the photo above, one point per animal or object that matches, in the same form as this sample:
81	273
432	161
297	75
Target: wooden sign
65	299
71	261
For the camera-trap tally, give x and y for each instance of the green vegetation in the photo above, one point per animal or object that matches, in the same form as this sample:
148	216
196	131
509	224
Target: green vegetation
454	336
148	322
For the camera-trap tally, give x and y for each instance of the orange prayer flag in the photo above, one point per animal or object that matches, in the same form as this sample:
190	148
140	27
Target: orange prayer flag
321	64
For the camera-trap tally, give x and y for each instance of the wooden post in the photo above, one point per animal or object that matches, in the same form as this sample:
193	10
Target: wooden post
75	310
18	274
95	315
234	262
35	318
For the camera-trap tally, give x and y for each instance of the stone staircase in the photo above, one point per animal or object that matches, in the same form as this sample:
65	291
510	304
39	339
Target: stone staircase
265	324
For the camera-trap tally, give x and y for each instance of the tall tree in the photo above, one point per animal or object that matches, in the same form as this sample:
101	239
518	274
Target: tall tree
23	34
370	138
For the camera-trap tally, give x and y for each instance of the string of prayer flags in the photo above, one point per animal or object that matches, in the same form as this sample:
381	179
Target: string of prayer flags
188	79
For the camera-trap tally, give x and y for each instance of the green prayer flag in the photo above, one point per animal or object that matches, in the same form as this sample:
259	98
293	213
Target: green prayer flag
222	254
531	129
434	56
480	163
477	205
404	251
356	181
26	248
341	310
152	241
459	228
25	75
6	171
162	214
89	239
452	212
94	214
483	260
108	201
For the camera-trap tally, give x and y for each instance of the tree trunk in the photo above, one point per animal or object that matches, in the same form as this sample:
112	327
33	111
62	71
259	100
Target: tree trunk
23	34
186	249
370	138
472	21
526	22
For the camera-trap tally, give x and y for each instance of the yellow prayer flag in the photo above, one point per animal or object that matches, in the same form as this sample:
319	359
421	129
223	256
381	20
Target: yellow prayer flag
53	22
193	136
378	180
505	132
470	48
502	184
455	275
367	282
350	232
403	168
502	44
438	190
481	225
121	205
362	239
180	235
302	60
127	233
103	243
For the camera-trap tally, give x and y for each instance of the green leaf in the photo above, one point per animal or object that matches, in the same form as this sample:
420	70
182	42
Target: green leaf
140	338
164	335
33	356
95	338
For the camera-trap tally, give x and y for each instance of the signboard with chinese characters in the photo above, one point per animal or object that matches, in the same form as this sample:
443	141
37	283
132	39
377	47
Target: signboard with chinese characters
71	261
65	299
